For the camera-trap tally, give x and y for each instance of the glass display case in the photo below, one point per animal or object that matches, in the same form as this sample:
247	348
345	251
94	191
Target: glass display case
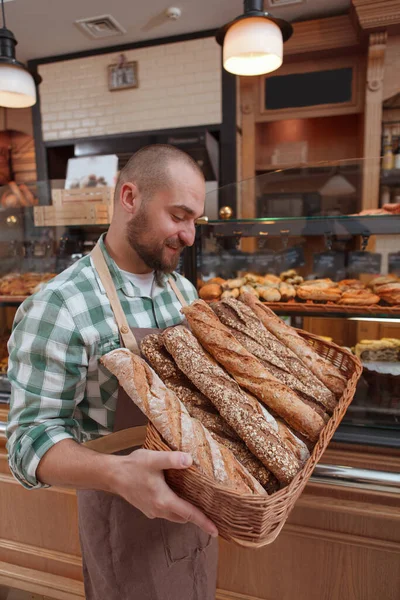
320	261
278	233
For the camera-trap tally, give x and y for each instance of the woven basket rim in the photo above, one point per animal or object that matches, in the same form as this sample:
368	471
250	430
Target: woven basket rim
259	501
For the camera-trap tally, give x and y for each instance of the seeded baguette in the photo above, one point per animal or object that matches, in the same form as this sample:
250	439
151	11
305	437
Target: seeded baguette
171	419
199	407
323	369
239	411
282	362
249	372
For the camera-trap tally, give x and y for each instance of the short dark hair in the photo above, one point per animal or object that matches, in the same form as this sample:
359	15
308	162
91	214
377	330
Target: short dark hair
148	168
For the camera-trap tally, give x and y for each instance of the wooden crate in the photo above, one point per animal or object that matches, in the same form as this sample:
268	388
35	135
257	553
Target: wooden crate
65	198
78	213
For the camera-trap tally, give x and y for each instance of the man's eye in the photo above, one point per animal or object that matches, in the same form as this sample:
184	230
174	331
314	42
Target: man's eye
176	218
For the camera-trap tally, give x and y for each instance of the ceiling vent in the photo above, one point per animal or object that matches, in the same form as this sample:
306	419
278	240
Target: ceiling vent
100	27
279	3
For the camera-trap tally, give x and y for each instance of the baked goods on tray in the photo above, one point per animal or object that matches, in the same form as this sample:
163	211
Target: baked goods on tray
385	349
291	287
23	284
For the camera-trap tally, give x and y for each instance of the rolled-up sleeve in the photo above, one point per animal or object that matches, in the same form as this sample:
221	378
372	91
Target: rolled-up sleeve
47	371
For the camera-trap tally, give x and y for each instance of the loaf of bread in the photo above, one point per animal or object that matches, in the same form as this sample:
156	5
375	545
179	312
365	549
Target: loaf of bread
359	297
171	419
277	358
296	445
233	405
199	407
248	371
326	372
319	293
390	292
210	291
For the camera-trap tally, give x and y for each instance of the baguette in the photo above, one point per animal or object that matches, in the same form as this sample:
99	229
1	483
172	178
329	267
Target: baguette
171	419
199	407
247	370
297	446
282	362
322	368
238	410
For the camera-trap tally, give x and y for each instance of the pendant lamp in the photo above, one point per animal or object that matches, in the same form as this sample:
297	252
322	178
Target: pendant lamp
337	185
253	42
17	86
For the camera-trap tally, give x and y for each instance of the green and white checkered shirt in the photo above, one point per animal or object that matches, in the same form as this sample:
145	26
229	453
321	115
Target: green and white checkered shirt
59	388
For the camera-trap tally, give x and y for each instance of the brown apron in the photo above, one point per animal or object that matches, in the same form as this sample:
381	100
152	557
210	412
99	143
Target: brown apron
127	556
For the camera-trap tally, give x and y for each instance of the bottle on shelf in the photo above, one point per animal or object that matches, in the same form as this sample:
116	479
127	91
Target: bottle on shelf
396	157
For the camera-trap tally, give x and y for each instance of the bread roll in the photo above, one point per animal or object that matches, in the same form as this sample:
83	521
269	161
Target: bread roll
359	297
249	372
171	419
210	291
319	293
230	284
231	293
326	372
239	411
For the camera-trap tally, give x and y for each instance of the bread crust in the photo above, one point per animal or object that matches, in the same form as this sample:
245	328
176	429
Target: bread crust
248	371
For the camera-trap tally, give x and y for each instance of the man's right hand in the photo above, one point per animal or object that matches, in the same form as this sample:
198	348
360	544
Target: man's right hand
139	479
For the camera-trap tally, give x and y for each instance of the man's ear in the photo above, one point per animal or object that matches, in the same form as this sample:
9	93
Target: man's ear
129	197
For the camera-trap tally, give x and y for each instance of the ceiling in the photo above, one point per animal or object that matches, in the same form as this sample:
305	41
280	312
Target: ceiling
45	27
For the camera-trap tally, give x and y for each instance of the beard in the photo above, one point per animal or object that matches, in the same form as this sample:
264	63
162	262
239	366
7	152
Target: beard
148	247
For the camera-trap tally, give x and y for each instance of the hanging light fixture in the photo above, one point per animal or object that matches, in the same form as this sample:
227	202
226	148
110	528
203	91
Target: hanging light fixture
253	42
337	185
17	86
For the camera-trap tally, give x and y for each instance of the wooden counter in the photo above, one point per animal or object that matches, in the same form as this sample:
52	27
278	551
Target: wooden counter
338	543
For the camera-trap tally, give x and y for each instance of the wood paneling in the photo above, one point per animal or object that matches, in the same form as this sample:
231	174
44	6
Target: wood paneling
322	34
373	120
328	138
335	546
374	14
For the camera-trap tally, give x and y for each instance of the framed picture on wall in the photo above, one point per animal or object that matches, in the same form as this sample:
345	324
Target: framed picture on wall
123	76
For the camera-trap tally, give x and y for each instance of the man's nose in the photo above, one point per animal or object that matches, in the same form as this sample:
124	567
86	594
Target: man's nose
188	234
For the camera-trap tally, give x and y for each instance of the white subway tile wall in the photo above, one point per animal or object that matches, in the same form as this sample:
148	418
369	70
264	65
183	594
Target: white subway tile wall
179	86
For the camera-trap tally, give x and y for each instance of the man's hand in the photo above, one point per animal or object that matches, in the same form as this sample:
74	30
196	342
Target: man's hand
139	479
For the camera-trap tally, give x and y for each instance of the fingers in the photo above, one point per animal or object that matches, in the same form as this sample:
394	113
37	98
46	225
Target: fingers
176	508
161	461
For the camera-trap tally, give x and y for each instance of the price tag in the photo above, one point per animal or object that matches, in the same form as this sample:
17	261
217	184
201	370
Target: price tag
394	263
364	262
266	262
329	264
290	258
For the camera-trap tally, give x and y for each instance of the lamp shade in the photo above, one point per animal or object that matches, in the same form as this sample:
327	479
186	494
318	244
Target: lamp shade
337	185
17	87
253	46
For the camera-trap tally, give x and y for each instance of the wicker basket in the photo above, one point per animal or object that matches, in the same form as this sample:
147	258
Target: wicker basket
255	521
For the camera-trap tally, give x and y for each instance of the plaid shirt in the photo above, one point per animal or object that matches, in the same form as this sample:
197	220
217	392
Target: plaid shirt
59	388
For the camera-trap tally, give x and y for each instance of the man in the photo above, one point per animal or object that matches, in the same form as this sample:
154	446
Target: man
62	396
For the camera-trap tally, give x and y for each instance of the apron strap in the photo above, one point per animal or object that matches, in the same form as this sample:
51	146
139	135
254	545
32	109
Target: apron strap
102	269
175	289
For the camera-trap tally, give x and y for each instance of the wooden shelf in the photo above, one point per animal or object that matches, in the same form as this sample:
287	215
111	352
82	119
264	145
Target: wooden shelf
330	309
12	299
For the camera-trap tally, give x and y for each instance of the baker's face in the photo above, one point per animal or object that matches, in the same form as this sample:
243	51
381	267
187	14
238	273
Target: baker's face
165	224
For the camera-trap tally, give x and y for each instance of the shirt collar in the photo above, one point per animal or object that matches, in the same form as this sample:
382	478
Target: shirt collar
120	282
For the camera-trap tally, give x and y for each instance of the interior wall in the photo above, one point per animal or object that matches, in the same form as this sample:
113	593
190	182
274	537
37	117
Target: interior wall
19	119
179	86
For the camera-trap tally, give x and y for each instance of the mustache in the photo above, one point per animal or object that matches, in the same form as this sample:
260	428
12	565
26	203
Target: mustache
175	244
